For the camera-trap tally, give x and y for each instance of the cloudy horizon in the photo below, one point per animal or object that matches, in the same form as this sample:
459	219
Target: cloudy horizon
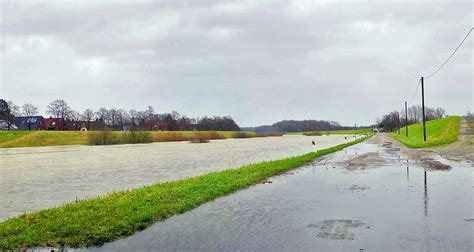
259	62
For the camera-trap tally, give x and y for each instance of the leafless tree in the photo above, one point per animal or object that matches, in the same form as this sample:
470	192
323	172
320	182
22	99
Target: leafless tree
113	116
440	113
29	110
122	118
102	114
133	118
58	108
149	117
88	116
73	115
14	109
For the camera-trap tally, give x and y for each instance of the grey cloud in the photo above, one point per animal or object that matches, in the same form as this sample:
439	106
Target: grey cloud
257	61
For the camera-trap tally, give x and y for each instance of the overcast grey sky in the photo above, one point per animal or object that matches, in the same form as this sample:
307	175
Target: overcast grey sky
257	61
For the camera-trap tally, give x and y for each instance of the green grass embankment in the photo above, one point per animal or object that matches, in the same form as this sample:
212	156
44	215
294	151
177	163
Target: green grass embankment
9	139
94	221
438	132
333	132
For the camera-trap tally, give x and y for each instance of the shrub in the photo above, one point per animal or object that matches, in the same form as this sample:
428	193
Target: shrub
313	133
241	134
104	137
200	138
169	136
137	137
273	133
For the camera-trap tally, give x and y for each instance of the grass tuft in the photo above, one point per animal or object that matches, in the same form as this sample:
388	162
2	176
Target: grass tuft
95	221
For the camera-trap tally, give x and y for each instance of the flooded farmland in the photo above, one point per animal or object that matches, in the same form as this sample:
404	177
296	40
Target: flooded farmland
368	197
41	177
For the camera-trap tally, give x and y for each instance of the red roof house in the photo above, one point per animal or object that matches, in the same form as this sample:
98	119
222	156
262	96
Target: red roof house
52	124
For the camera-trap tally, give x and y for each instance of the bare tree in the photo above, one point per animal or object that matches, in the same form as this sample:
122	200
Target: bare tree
122	117
58	108
73	115
29	110
149	116
88	116
5	113
440	113
102	114
113	117
133	117
14	109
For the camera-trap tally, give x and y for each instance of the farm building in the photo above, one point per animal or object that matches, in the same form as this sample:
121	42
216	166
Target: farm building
28	122
53	124
4	125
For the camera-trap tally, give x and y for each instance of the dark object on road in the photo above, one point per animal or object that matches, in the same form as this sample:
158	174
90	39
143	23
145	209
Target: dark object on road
313	142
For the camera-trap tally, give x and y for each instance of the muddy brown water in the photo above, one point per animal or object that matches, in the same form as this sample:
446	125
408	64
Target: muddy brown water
41	177
392	205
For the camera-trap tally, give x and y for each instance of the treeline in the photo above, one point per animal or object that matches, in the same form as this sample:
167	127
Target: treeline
396	119
119	119
298	126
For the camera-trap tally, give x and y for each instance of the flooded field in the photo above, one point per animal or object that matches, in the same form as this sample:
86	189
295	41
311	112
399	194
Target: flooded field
40	177
368	197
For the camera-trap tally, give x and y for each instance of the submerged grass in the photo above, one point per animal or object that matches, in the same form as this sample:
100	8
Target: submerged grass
94	221
438	132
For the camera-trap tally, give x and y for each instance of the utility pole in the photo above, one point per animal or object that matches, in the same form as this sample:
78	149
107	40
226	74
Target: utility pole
398	122
406	120
423	108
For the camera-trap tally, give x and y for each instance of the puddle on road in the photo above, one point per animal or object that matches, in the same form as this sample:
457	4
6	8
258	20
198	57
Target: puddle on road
401	206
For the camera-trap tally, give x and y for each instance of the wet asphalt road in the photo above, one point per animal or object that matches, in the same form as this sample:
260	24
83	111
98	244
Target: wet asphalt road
365	198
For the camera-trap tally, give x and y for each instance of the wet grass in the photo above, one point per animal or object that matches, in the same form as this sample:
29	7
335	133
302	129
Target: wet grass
332	132
95	221
438	132
9	139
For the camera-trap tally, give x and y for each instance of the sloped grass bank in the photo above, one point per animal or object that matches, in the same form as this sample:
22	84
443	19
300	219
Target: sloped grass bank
333	132
438	132
92	222
10	139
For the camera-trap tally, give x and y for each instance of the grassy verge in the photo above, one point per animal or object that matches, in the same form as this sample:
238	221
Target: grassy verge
9	135
10	139
95	221
332	132
438	132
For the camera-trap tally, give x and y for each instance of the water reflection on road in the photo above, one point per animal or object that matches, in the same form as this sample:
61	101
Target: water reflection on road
336	203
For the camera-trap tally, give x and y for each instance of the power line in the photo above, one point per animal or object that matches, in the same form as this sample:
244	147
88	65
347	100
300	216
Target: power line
413	96
452	54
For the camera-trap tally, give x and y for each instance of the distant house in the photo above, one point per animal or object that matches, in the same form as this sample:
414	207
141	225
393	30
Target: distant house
53	124
28	122
76	125
4	125
85	125
95	125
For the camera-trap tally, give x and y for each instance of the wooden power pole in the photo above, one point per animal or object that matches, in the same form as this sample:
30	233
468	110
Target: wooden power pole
406	120
423	108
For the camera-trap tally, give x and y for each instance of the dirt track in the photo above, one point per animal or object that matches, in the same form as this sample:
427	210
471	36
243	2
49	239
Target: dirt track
463	150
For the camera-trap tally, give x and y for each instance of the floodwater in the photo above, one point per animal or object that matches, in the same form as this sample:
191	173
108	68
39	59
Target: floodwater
364	198
41	177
